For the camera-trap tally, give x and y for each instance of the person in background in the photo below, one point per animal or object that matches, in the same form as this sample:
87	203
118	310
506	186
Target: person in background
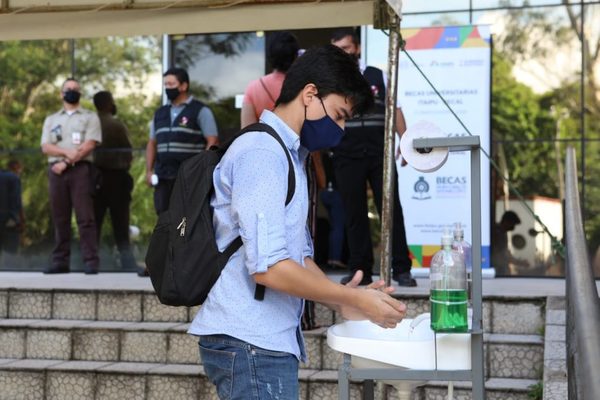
501	255
178	130
113	160
68	139
331	199
252	349
11	212
16	167
261	94
358	160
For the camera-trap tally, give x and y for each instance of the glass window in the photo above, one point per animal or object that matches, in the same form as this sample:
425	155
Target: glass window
220	67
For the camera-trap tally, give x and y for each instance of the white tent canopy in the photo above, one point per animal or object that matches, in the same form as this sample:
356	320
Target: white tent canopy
56	19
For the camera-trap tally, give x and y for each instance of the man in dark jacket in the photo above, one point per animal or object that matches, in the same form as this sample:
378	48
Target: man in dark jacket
358	160
113	159
11	211
179	130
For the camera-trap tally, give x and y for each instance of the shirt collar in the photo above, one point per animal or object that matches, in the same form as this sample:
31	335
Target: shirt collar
186	102
289	137
64	111
362	66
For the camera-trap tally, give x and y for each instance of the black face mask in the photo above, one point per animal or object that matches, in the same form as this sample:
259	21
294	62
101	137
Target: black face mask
113	109
172	93
71	96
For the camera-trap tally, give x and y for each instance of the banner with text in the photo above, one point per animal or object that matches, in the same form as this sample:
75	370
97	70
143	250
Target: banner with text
457	61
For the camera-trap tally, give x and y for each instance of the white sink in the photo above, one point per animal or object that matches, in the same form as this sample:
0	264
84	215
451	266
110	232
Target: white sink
410	345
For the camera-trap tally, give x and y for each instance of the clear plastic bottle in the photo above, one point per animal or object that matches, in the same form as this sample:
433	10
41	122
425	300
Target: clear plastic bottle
448	295
464	249
462	246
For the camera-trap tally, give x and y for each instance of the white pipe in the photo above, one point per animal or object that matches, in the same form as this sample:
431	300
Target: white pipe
450	390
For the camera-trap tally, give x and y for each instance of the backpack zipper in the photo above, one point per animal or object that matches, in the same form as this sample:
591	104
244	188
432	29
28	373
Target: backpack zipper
182	224
181	227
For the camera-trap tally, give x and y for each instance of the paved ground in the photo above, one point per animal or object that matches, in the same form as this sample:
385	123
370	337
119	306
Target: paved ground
509	287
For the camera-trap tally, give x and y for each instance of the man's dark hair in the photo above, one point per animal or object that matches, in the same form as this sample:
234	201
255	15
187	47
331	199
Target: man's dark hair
332	71
341	33
179	73
511	217
69	79
282	50
103	100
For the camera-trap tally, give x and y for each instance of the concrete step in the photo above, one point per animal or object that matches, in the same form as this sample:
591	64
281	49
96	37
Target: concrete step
507	356
502	315
555	354
74	380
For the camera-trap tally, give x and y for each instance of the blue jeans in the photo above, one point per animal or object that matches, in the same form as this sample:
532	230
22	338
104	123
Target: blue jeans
241	371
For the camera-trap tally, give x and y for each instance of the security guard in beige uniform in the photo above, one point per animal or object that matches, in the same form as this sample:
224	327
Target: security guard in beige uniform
68	139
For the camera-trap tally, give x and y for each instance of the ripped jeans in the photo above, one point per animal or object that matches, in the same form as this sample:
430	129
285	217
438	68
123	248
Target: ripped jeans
241	371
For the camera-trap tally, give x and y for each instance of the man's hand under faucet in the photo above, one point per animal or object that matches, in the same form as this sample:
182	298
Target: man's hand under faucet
375	304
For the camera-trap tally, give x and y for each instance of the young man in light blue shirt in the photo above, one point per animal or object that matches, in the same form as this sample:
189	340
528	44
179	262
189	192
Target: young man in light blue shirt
251	349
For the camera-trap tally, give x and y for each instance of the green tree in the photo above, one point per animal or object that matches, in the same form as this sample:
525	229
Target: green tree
540	35
194	47
32	73
517	116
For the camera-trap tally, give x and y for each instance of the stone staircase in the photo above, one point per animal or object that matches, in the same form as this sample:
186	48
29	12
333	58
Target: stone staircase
123	344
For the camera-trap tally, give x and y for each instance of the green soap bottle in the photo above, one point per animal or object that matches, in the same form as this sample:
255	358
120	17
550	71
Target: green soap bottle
448	295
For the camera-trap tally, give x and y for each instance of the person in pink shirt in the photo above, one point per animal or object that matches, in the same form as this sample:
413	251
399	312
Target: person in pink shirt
261	94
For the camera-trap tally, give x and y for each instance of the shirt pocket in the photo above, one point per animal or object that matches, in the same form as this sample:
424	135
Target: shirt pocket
79	126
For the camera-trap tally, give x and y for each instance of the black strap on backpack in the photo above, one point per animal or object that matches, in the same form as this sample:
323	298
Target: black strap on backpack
259	292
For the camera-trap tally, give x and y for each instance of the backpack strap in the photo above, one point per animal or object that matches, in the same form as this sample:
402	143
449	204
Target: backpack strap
267	90
259	292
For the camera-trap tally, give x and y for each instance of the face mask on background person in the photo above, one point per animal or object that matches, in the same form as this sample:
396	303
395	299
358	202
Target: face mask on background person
172	93
71	96
113	109
320	133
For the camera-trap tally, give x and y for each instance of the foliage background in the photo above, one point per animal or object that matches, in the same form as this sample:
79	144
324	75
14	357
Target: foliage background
30	79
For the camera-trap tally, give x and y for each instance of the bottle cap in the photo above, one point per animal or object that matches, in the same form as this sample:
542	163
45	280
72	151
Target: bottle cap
458	230
447	238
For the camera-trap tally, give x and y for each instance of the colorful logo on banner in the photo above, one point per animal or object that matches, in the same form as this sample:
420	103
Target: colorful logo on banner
421	255
450	37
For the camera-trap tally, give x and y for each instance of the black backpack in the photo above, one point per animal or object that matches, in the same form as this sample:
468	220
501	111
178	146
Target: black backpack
183	259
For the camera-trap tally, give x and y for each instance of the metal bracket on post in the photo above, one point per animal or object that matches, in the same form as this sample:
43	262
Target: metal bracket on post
384	13
381	15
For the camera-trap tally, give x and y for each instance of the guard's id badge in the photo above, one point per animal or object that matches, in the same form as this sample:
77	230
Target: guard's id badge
76	137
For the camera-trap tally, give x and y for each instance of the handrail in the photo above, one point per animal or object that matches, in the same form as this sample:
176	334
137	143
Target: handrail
583	304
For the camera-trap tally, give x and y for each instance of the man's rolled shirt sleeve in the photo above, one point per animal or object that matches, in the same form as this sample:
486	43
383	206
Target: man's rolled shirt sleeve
46	131
259	192
308	250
